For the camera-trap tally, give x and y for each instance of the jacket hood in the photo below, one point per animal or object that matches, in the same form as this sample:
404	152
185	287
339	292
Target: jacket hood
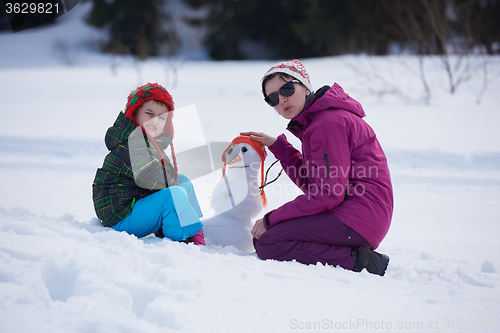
325	99
121	130
334	98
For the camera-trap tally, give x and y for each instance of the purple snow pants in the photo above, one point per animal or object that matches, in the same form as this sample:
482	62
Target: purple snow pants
317	238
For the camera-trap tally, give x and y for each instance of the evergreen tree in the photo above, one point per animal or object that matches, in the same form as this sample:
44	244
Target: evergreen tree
135	26
485	23
311	28
254	29
334	27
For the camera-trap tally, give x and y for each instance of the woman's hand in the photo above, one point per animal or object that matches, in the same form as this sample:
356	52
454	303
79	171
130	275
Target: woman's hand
258	229
265	139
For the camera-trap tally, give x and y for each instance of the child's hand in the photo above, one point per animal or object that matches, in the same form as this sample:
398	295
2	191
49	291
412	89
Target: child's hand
265	139
258	229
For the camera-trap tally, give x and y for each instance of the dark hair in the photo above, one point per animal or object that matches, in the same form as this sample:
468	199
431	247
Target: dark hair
159	103
283	76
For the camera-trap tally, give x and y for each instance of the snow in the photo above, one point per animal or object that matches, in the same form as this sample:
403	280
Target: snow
62	272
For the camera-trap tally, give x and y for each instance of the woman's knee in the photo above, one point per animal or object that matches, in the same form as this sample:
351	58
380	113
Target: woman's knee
268	247
260	250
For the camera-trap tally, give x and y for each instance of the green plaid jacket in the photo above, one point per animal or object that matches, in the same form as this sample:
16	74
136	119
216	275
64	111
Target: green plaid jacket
131	171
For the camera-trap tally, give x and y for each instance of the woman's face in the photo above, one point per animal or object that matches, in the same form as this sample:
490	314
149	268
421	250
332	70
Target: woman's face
291	106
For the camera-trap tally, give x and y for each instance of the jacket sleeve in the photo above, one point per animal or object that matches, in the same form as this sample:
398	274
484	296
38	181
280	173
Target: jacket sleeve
326	166
290	159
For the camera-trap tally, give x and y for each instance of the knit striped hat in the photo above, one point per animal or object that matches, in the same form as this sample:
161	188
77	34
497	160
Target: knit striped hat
293	68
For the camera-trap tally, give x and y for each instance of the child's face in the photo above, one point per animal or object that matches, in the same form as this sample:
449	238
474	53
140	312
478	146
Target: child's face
291	106
152	116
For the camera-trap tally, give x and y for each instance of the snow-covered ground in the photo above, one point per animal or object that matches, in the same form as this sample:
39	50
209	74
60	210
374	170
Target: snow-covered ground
62	272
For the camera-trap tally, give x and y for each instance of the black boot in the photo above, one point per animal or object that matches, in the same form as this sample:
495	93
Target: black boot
374	262
159	233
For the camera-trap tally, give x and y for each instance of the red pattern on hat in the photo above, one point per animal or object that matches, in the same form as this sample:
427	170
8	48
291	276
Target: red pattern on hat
149	91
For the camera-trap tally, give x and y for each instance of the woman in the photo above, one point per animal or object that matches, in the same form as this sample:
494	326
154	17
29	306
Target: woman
346	208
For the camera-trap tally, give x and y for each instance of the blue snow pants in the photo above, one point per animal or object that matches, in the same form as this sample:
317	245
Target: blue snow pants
175	209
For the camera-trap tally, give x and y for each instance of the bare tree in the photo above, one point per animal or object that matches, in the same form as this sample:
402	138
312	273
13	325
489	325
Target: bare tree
119	50
190	25
439	18
488	75
409	25
432	26
64	52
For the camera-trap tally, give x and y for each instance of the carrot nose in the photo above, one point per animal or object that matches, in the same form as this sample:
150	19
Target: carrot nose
234	160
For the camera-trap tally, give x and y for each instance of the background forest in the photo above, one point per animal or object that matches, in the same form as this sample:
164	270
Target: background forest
277	29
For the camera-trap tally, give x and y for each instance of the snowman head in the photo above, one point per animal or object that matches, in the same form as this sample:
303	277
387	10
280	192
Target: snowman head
242	155
244	152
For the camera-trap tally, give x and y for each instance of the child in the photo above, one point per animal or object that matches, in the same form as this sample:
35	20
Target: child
138	190
347	204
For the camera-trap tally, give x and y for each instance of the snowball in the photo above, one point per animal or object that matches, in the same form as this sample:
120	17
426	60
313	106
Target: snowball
488	267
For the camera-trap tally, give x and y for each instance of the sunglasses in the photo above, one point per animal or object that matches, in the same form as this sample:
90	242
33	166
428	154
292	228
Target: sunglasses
286	90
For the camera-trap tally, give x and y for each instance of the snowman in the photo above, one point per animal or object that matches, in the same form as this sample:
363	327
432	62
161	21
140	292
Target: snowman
236	198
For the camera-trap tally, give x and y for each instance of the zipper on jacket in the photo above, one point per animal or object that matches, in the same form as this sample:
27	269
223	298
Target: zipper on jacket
327	166
346	195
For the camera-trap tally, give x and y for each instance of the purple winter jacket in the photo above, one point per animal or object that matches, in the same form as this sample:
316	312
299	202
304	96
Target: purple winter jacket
342	167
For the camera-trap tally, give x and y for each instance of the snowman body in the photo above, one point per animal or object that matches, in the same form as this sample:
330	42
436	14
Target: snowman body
236	199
